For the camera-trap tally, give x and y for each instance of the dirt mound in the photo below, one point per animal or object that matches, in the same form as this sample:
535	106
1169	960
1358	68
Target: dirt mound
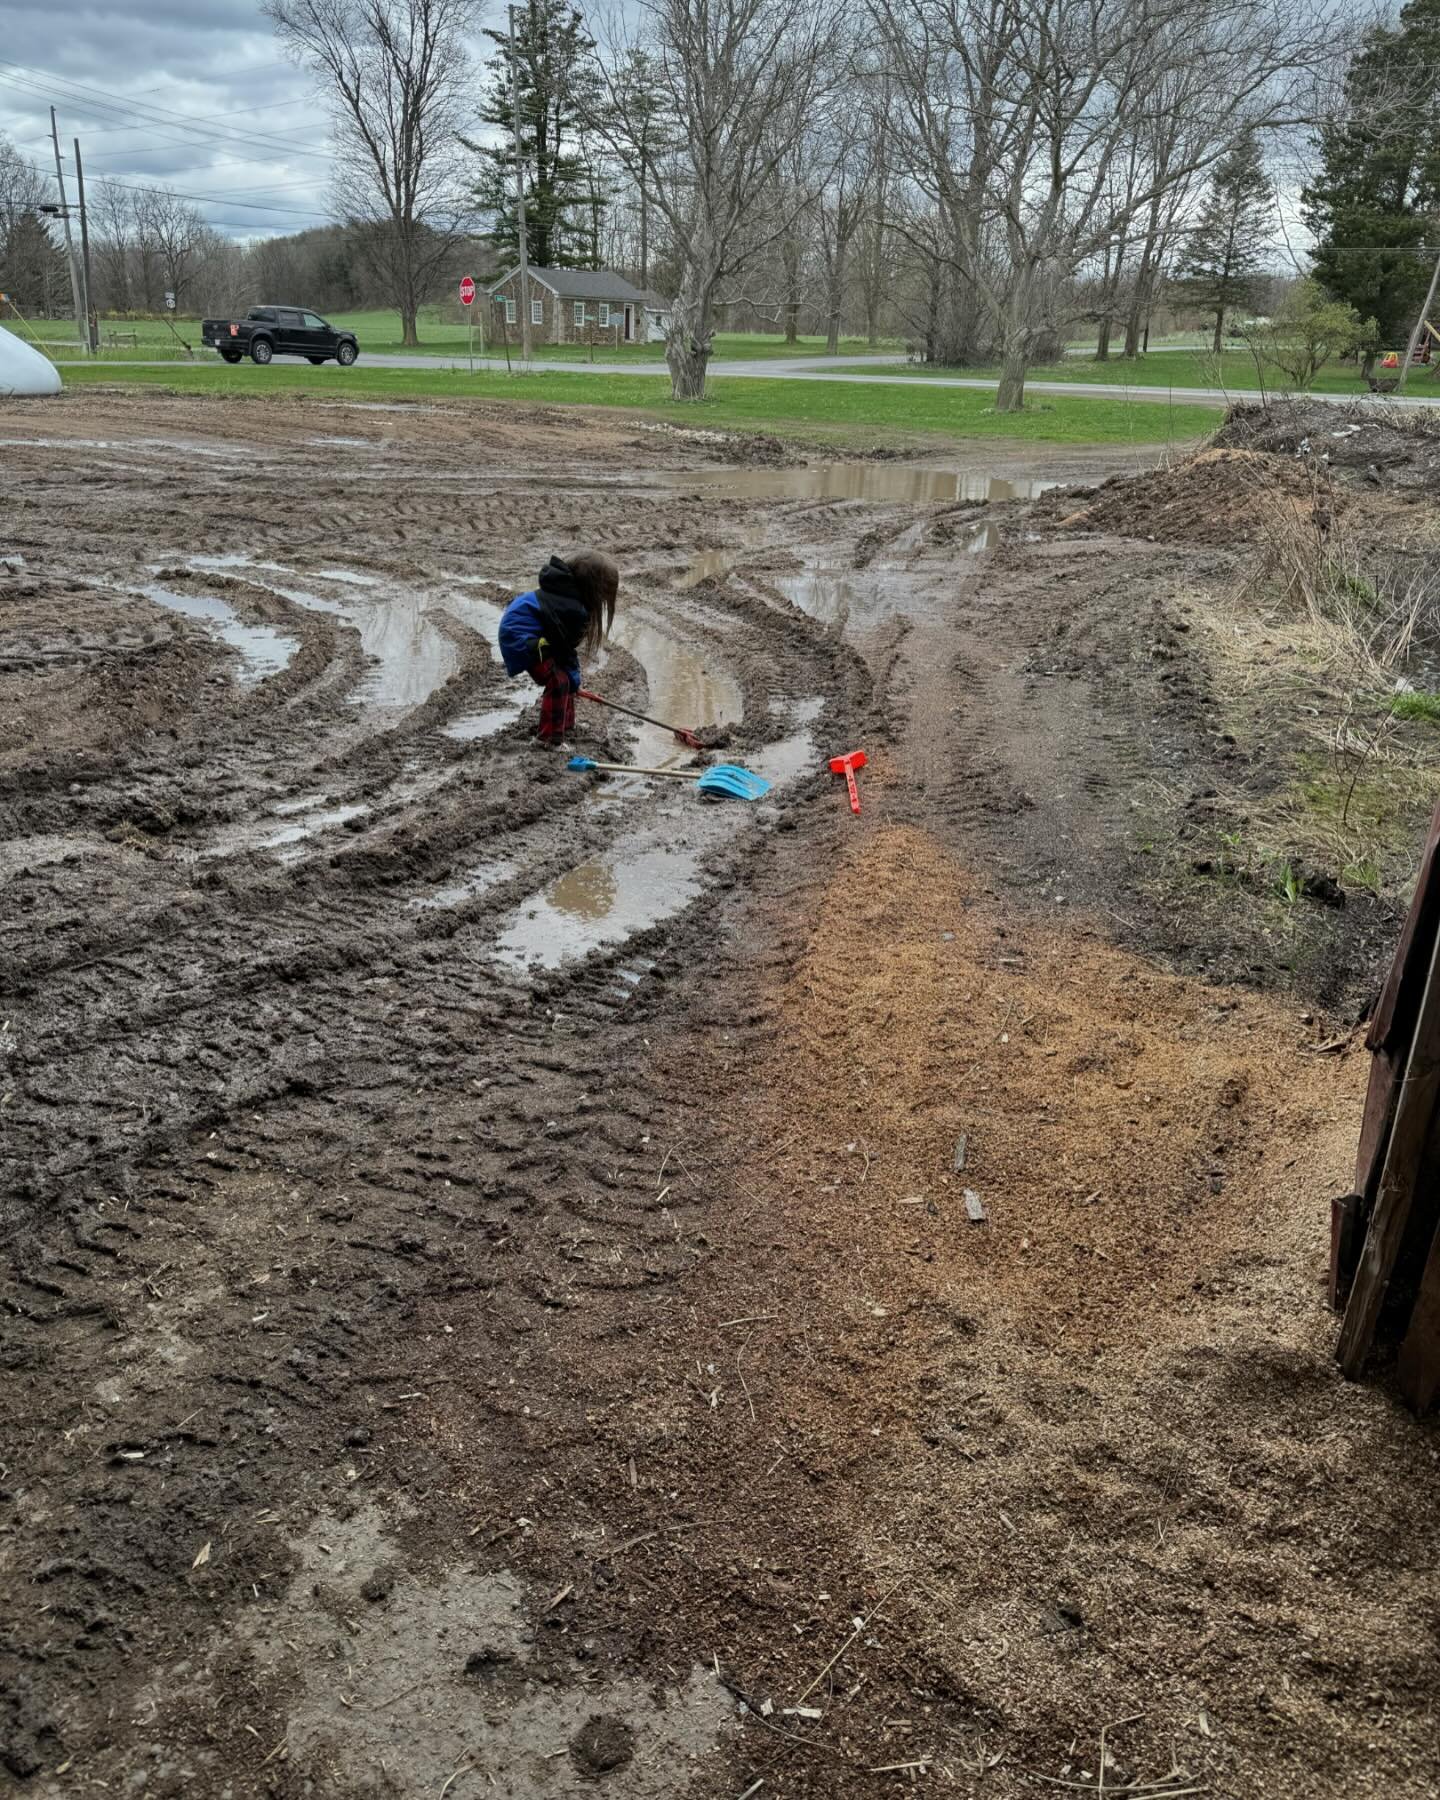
1373	440
1219	498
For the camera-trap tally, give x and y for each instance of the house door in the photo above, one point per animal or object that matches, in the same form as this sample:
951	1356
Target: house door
629	324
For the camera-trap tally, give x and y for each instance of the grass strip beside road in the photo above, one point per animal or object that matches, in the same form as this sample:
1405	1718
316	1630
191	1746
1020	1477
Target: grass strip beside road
848	411
379	333
1233	371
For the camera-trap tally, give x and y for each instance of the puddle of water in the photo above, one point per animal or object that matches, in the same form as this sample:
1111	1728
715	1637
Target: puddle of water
863	481
804	711
472	882
707	564
413	656
351	577
470	726
313	817
237	559
343	443
825	594
599	904
686	687
310	824
603	902
12	562
263	649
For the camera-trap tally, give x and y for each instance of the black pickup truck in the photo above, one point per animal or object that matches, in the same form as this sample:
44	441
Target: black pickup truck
270	331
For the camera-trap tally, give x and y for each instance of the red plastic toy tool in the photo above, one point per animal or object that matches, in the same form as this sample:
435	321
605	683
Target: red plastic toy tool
846	766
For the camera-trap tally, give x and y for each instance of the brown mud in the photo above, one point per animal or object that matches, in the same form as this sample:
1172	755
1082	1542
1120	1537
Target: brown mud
490	1299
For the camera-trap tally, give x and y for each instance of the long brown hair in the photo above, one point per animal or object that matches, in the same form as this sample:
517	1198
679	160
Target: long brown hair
599	575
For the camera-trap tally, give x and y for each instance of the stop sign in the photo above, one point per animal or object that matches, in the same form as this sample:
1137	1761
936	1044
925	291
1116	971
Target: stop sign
467	291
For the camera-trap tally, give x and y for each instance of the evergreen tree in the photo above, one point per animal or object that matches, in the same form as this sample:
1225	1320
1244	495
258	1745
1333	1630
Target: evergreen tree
1374	202
1228	244
562	195
32	269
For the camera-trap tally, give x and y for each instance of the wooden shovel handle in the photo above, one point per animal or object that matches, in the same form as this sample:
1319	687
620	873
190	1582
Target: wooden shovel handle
630	769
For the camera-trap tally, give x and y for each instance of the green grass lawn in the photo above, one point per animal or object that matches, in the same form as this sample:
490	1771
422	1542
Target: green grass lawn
379	332
1234	370
840	411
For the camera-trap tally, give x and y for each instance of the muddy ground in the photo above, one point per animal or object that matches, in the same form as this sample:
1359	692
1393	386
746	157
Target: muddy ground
491	1299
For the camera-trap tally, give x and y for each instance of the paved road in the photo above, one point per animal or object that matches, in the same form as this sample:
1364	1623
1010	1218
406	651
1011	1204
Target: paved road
866	370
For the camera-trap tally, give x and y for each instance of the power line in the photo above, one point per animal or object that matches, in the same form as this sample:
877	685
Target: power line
85	99
180	194
269	106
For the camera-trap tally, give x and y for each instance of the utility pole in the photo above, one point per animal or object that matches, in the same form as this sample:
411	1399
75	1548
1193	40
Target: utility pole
520	197
1419	327
81	321
92	324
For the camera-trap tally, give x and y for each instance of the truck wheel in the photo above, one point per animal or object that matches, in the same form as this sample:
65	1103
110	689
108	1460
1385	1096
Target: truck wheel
317	360
346	355
262	350
230	356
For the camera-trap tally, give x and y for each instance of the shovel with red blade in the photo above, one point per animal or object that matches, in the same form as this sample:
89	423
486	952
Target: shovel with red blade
679	732
846	766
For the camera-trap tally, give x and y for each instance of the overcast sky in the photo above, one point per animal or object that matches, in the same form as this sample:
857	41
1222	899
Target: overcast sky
241	130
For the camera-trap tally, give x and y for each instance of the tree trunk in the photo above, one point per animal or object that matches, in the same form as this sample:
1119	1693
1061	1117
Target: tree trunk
409	337
1102	344
1010	395
1219	344
832	331
690	341
792	288
1141	295
1135	318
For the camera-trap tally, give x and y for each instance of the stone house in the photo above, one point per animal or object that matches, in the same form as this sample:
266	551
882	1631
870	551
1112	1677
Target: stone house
575	306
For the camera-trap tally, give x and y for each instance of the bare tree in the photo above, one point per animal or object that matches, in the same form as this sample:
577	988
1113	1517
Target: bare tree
112	240
742	80
396	72
1021	114
180	238
877	262
22	188
843	205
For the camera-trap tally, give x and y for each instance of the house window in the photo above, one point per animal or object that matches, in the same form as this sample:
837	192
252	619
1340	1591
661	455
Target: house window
604	313
537	312
509	305
579	312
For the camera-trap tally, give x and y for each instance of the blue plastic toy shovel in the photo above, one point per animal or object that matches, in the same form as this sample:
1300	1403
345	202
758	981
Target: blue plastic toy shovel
723	778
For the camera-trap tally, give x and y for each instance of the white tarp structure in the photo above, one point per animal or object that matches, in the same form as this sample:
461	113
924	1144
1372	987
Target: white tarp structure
23	370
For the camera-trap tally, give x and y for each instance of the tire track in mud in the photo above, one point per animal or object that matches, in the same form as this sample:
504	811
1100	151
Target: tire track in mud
172	971
271	1106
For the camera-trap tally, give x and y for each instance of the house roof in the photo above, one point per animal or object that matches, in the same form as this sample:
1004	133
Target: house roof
581	284
655	300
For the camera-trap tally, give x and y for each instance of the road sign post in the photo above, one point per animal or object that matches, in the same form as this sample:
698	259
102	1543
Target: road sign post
467	300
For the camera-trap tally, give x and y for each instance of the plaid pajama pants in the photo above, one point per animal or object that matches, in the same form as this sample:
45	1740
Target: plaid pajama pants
557	703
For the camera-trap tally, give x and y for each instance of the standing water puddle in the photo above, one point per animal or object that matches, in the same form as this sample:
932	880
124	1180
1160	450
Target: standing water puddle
412	656
237	559
862	481
684	687
708	565
263	649
601	903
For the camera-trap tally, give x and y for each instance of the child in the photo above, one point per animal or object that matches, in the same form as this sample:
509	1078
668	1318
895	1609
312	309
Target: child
542	633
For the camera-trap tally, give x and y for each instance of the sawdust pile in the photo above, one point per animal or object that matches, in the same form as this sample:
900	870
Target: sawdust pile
1097	1443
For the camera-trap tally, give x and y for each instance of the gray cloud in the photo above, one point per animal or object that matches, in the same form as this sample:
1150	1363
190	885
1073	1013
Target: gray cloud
252	139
